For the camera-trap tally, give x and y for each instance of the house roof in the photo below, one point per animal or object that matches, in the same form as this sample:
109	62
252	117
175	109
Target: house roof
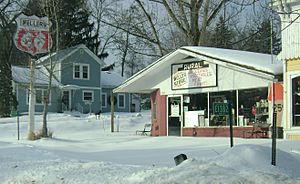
22	75
147	79
63	54
111	79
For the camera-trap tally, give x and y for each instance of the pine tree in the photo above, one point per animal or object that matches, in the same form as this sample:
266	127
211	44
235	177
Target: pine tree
74	26
261	39
7	98
222	36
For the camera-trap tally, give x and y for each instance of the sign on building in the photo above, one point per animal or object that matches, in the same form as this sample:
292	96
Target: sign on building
220	109
32	34
194	75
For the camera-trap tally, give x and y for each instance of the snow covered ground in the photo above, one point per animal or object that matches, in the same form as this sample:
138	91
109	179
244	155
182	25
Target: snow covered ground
83	150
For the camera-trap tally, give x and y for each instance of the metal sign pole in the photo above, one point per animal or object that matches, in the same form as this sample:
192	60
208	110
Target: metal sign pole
230	122
274	127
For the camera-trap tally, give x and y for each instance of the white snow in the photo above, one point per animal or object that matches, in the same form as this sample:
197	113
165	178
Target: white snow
22	75
264	62
111	78
83	150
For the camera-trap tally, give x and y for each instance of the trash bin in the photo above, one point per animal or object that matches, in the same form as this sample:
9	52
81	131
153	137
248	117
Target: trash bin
180	158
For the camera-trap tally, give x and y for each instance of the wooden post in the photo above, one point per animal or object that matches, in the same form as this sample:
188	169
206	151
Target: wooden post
31	108
112	105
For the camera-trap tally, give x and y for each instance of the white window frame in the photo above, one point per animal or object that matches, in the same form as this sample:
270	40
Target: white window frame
81	65
105	100
121	107
83	95
43	94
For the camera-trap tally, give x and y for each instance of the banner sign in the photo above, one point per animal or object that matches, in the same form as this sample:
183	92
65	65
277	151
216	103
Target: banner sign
32	34
194	75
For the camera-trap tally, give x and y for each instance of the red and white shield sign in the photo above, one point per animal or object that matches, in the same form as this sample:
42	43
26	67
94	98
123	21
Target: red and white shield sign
32	34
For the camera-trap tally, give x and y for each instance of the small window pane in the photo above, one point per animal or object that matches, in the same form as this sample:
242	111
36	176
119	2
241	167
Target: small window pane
121	101
88	96
77	71
85	72
39	96
103	100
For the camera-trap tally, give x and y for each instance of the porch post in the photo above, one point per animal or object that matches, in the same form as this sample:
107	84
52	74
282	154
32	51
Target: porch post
112	105
208	105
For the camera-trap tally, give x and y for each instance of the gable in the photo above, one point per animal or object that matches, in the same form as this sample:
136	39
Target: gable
62	55
158	73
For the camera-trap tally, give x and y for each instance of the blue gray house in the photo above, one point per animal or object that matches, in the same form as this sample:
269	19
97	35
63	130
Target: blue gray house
78	71
79	84
124	102
20	83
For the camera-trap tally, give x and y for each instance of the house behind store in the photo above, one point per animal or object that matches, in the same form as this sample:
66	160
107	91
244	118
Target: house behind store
76	86
191	87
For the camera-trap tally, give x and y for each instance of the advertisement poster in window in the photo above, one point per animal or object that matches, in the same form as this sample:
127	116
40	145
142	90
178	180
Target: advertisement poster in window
194	75
175	110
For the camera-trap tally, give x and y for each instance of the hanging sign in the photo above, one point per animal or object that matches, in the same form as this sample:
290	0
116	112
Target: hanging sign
193	75
32	34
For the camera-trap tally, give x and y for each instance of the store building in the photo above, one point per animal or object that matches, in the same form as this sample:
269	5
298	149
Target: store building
288	11
192	87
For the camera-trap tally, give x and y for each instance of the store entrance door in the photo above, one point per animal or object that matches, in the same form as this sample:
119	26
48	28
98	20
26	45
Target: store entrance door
174	115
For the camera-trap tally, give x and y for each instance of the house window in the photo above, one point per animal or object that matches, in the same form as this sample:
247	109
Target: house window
40	95
88	96
296	102
81	71
104	100
77	71
121	101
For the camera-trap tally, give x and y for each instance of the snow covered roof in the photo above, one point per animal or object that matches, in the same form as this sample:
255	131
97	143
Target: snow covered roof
111	79
63	54
256	61
147	79
22	75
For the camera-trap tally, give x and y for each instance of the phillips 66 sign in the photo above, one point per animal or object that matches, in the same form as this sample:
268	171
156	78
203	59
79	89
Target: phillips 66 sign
32	34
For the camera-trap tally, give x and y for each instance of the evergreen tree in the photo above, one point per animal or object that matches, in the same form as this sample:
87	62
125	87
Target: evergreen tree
73	24
7	98
222	36
261	39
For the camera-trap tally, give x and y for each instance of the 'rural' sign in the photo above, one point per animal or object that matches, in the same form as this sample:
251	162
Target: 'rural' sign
32	34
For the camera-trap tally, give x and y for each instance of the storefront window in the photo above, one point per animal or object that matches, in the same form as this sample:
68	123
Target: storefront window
296	101
222	99
253	106
246	107
195	110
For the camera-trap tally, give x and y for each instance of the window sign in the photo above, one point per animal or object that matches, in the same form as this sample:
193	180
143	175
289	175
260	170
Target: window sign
220	109
175	111
194	75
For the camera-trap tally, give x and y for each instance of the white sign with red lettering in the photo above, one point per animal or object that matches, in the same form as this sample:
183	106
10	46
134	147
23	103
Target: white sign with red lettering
32	34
